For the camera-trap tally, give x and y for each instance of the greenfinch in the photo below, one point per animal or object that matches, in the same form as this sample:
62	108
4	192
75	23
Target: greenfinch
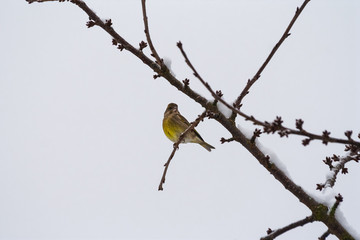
174	124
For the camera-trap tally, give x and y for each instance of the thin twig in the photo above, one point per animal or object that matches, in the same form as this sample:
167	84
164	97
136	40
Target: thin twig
333	209
148	38
325	235
280	231
257	75
339	163
208	87
336	170
196	74
176	146
31	1
276	126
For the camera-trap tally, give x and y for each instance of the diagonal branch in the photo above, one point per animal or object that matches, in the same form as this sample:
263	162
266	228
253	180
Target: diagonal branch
278	232
257	75
148	38
31	1
325	235
330	182
176	147
196	74
337	165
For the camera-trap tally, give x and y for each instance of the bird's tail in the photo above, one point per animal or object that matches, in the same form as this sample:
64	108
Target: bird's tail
206	146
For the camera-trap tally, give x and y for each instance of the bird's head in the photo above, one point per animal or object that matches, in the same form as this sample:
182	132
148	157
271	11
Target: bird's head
171	108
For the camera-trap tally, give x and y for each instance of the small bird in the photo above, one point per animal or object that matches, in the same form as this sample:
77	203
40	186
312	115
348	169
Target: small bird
174	124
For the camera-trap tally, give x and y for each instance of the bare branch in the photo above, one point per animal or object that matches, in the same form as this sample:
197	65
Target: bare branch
325	235
223	140
256	134
176	146
196	74
339	199
278	232
257	75
148	38
339	167
276	126
39	1
333	209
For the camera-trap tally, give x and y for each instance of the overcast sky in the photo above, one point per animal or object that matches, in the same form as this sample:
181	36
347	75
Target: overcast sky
81	144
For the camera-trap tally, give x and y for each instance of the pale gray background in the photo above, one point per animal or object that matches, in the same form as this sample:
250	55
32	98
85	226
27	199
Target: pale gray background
81	144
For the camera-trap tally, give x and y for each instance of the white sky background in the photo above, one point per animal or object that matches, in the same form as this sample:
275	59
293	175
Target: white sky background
81	144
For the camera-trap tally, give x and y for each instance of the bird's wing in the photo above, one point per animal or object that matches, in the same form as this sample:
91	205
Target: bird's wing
183	120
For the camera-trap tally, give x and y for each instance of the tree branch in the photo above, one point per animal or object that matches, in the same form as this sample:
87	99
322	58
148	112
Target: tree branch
196	74
148	38
325	235
331	181
257	75
31	1
320	211
278	232
333	209
339	167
